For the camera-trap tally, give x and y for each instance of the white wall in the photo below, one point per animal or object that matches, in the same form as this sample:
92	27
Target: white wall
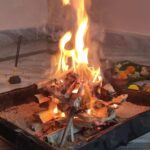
116	15
15	14
126	15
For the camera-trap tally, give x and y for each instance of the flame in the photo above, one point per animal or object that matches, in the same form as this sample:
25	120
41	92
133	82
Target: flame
65	54
82	21
76	58
66	2
55	111
115	106
79	54
58	113
89	111
63	115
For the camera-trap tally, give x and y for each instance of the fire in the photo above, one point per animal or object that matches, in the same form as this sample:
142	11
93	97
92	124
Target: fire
82	22
55	111
66	2
65	54
75	59
115	106
89	111
79	54
63	115
77	88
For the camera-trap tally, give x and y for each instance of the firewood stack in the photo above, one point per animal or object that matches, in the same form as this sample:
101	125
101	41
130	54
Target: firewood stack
79	102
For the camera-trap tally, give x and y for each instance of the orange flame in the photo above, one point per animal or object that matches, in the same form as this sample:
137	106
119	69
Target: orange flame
55	111
89	111
66	2
79	54
63	115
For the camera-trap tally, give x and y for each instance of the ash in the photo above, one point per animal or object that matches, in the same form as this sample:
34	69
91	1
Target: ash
22	115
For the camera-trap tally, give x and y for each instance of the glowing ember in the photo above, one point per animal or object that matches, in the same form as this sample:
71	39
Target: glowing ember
58	113
63	115
75	91
89	111
55	110
115	106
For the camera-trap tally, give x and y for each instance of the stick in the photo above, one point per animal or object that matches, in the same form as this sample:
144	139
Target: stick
45	116
42	99
68	127
72	132
66	132
18	50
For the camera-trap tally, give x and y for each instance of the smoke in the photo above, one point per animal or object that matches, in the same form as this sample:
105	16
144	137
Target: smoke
96	32
97	35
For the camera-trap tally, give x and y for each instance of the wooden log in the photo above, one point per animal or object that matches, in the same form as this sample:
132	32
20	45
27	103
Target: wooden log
42	99
116	100
89	120
49	114
45	116
80	123
55	137
66	132
69	90
120	99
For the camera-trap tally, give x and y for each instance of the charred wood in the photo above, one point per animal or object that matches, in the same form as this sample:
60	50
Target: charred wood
42	99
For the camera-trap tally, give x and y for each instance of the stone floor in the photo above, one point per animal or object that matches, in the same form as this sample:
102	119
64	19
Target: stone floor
141	143
32	69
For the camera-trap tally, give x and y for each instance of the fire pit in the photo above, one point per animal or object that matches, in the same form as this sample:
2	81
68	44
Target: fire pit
20	125
76	107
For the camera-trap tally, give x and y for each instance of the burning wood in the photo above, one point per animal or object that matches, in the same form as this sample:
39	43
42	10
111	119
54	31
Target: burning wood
46	116
52	112
79	95
77	86
42	99
80	103
69	127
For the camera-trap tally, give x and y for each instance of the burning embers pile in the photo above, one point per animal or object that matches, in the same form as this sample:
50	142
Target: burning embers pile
77	97
79	104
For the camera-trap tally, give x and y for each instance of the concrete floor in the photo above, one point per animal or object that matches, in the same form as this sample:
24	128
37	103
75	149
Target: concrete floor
32	69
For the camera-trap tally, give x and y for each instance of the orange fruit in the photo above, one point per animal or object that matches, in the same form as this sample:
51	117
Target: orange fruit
130	69
123	75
